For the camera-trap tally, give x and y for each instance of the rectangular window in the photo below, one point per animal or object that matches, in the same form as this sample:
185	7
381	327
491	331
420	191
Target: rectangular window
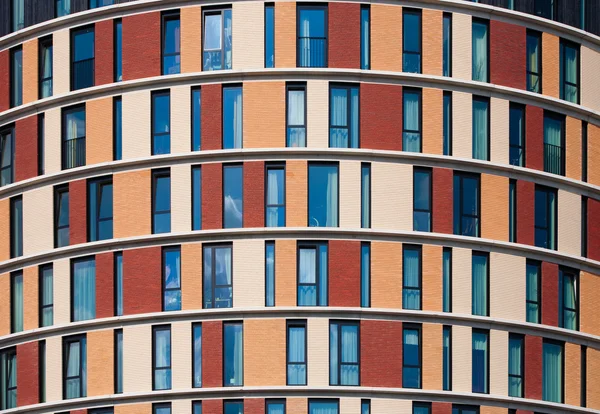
411	277
464	409
233	407
365	36
41	143
365	274
275	196
584	226
117	128
534	294
269	35
163	408
218	285
516	358
584	151
8	377
447	358
216	40
411	40
161	361
343	116
16	76
275	406
481	361
568	298
312	36
296	115
296	352
447	45
517	135
480	282
82	57
161	201
447	128
16	302
554	143
344	362
171	43
269	273
546	212
481	51
45	67
61	216
73	137
196	407
16	227
233	354
42	371
46	292
100	3
161	122
323	197
196	198
197	352
421	408
481	128
553	371
7	155
118	361
411	356
196	119
512	211
232	117
466	204
100	209
323	406
17	15
62	7
105	410
171	278
233	202
74	367
118	55
365	195
411	127
83	289
312	274
118	261
447	279
569	71
365	407
534	61
422	199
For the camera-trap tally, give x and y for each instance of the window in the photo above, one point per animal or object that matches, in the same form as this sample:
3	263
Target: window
512	211
312	37
100	3
83	289
196	119
161	361
7	155
117	128
516	373
481	128
197	351
421	408
554	143
233	407
63	7
118	262
517	134
465	409
411	127
411	277
73	139
16	227
8	377
163	408
197	198
45	67
100	209
61	216
82	58
422	199
447	45
312	274
365	36
365	274
480	50
545	217
322	406
544	8
171	278
161	201
269	35
232	117
161	122
18	14
106	410
269	273
217	286
481	361
16	76
296	115
233	203
411	40
344	362
447	358
42	370
171	43
584	226
553	371
568	299
365	196
40	142
296	353
275	203
447	279
323	184
74	367
118	56
480	282
447	128
569	71
217	40
534	61
46	292
533	288
16	302
411	356
233	354
343	116
365	407
118	361
196	407
466	204
275	406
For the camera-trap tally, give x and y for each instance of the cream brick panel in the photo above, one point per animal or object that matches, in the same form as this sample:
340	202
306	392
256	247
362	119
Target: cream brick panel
386	37
54	368
499	130
137	358
99	131
5	304
30	70
191	35
136	125
181	110
350	405
461	46
498	354
38	220
181	406
507	286
391	196
569	222
264	352
388	405
181	198
30	298
462	344
462	124
52	152
248	35
100	362
249	273
61	58
350	204
318	352
62	297
550	64
317	106
590	87
461	280
181	355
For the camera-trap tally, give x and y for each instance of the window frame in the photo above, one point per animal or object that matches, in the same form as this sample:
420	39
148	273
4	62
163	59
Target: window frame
193	91
295	86
488	137
208	11
155	175
155	368
564	43
158	406
419	250
538	265
13	86
528	71
213	247
365	303
419	329
275	166
269	401
549	215
429	172
5	132
13	276
164	289
65	112
313	6
313	245
196	195
66	341
520	338
487	362
226	167
339	324
365	166
118	358
41	132
9	354
563	138
420	404
447	328
72	263
561	344
268	5
41	269
419	13
523	132
59	192
270	244
153	134
365	48
349	88
486	22
335	401
43	44
225	87
419	93
165	17
447	249
486	254
99	183
16	232
296	323
196	325
573	273
117	128
448	16
117	59
224	359
461	176
322	164
447	95
512	210
73	33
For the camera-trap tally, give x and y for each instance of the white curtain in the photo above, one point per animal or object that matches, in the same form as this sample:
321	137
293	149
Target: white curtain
569	295
515	384
197	355
349	351
73	361
339	118
412	140
570	76
17	300
297	352
332	198
238	355
479	280
552	373
307	295
532	294
237	120
323	275
47	297
480	130
479	49
84	290
323	407
273	190
411	297
296	121
162	347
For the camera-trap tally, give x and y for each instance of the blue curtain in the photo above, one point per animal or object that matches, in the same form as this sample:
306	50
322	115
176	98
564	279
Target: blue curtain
233	407
162	359
479	288
323	407
446	272
365	35
296	369
552	372
84	289
411	137
197	355
75	366
411	293
480	362
197	407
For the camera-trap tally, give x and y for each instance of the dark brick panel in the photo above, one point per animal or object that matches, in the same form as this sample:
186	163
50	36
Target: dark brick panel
254	194
212	196
77	212
593	229
105	285
142	284
210	118
28	374
507	60
442	200
344	35
533	367
212	354
26	150
534	138
344	273
549	294
381	354
525	212
104	68
141	45
381	116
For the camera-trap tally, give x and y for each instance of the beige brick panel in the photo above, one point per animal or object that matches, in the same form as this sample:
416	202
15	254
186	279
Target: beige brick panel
30	71
30	298
38	220
590	305
569	222
432	42
52	150
550	65
386	38
181	125
461	281
391	199
462	124
4	229
264	105
461	48
191	35
593	154
432	278
296	193
191	276
573	142
499	134
507	286
136	125
131	203
285	273
318	352
137	358
248	35
317	116
99	131
285	34
386	275
181	355
572	374
264	352
61	292
249	273
350	206
350	405
389	405
5	304
145	408
492	410
181	406
590	87
593	377
54	368
498	354
61	58
433	126
100	362
181	198
494	207
462	344
296	405
432	356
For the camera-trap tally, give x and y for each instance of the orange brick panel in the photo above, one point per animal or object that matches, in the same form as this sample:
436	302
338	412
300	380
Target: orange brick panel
285	34
191	33
264	104
573	143
432	43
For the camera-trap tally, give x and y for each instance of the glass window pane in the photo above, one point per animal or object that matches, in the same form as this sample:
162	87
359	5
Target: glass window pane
84	289
172	282
269	36
365	205
16	298
197	332
162	204
162	358
171	45
233	407
119	357
47	295
447	46
161	123
480	362
296	355
481	128
233	354
411	42
365	37
480	284
516	134
411	278
312	37
296	121
118	51
232	117
447	279
411	136
196	198
552	372
322	195
119	283
232	196
480	51
365	275
411	354
196	120
515	366
16	73
269	274
275	197
323	407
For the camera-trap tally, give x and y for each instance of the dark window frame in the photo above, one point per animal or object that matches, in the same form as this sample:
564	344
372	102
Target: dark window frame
419	329
193	91
196	191
157	406
513	203
447	15
154	134
13	276
73	33
444	250
419	93
567	271
9	131
324	400
418	248
366	244
166	16
312	245
12	84
156	174
563	45
448	95
487	101
487	362
485	22
164	289
224	324
335	164
72	262
44	43
461	176
116	288
365	166
296	323
348	87
538	302
79	140
584	151
224	87
155	329
339	324
563	367
314	6
419	404
214	246
117	102
41	307
560	118
295	86
462	408
269	401
520	338
268	5
224	167
449	329
66	341
414	12
100	183
485	254
118	381
362	45
275	166
523	147
429	172
528	71
549	214
116	57
196	325
214	11
9	353
59	191
16	246
271	243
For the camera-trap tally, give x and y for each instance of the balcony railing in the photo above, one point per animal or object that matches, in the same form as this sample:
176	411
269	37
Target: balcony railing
73	153
312	52
553	159
83	74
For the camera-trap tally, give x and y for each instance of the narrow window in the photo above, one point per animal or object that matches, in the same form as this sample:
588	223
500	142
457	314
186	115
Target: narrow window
515	365
481	361
232	117
233	354
18	14
161	201
100	3
296	352
62	7
83	290
365	407
16	76
569	71
553	371
447	128
118	261
105	410
422	199
42	371
465	409
312	274
270	273
275	203
447	45
163	408
269	35
411	277
7	155
46	289
365	197
118	56
161	362
171	43
217	286
534	61
584	376
447	358
100	209
233	202
554	143
197	198
161	122
411	40
323	184
82	58
344	364
343	116
117	128
296	115
196	119
480	282
534	294
197	351
447	279
73	137
517	135
466	204
16	227
45	67
233	407
481	128
584	152
61	216
312	36
16	302
512	211
545	217
365	36
568	299
196	407
275	406
216	40
171	278
365	274
421	408
480	50
8	377
118	361
41	144
74	367
322	406
411	127
411	356
584	226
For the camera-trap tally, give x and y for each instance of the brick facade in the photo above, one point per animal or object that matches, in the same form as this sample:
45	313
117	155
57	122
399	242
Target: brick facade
344	35
593	229
381	354
26	148
525	212
381	116
442	182
104	52
211	121
28	374
212	354
533	367
507	57
254	194
212	196
78	212
534	142
142	267
550	294
105	285
344	273
141	29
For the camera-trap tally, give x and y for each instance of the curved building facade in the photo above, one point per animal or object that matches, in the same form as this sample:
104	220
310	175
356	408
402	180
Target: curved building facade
299	207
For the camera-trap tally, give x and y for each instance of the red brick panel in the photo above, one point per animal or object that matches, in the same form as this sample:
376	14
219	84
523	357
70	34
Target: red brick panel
212	196
28	374
26	150
533	367
534	137
525	212
212	354
381	116
441	408
344	35
210	118
254	194
442	200
593	229
142	284
549	294
4	80
381	354
524	412
84	411
141	45
507	60
254	406
78	212
104	52
344	273
105	291
212	406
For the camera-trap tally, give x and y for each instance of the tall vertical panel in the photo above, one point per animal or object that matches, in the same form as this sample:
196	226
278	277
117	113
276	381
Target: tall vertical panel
285	273
589	319
4	80
344	273
507	57
462	124
38	220
432	43
573	143
593	168
381	353
101	362
61	62
381	115
386	37
104	52
317	339
285	34
390	199
590	87
99	130
350	190
344	35
433	125
593	229
249	273
191	276
317	114
136	134
432	356
26	148
264	104
296	193
533	367
498	345
131	203
30	70
181	198
4	229
211	121
499	134
550	65
105	284
461	281
507	294
52	144
248	35
569	222
191	35
462	343
442	200
212	354
494	207
572	374
142	267
461	46
254	194
78	212
432	278
386	275
181	127
212	196
137	359
550	294
61	292
5	304
525	212
181	339
54	368
141	46
28	374
264	352
31	297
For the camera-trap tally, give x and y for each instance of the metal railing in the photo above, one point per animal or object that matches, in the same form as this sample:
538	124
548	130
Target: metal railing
83	74
553	159
312	52
73	153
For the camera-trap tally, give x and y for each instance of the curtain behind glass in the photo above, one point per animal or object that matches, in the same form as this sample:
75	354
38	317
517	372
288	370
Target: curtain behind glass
365	42
197	355
446	272
18	16
227	39
296	131
17	302
515	383
275	408
63	7
296	367
223	288
270	274
480	362
411	295
479	275
480	129
275	197
47	71
479	51
446	368
162	355
172	282
349	352
234	358
339	118
411	137
237	120
323	275
552	372
333	354
332	197
532	294
6	158
73	361
365	219
570	73
307	295
552	131
446	46
47	296
411	371
533	64
119	367
325	407
84	290
568	301
365	276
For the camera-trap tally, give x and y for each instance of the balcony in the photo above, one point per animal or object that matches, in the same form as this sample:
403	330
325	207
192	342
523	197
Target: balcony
312	52
73	153
553	159
83	74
